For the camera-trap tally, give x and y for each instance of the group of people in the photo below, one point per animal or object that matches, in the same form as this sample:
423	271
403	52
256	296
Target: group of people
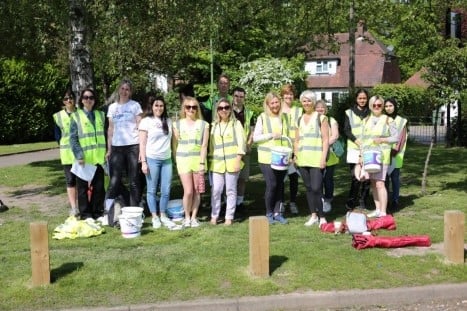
212	141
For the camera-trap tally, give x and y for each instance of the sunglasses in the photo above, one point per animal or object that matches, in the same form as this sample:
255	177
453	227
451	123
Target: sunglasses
88	97
225	108
67	98
377	105
188	107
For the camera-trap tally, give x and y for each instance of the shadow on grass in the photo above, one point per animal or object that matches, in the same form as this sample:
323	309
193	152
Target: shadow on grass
64	270
275	262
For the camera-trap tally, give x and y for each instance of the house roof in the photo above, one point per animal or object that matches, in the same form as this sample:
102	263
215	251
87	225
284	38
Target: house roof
374	63
417	80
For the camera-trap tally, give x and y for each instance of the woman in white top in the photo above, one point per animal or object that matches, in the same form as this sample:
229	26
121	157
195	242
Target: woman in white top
123	143
155	135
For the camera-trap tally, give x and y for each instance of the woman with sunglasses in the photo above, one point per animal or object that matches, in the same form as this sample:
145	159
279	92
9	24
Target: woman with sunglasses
379	131
62	121
190	144
272	129
155	136
124	116
226	148
87	141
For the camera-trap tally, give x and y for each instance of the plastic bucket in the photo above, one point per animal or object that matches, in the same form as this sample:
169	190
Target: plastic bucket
372	161
130	225
175	210
133	210
280	156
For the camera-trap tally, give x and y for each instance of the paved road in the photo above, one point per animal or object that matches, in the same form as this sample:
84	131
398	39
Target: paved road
28	157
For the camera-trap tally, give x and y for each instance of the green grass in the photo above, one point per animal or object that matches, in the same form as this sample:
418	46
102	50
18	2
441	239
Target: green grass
11	149
212	261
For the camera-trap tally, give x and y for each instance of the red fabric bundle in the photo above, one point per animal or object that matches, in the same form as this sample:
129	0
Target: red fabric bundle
384	222
360	241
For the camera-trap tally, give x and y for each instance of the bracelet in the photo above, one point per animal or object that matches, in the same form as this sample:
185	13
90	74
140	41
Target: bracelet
201	163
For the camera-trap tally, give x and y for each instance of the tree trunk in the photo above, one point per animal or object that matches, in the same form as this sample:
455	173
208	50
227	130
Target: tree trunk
352	49
425	169
80	58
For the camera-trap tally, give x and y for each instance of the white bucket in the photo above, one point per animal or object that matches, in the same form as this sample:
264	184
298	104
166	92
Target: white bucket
133	211
280	156
372	160
130	225
175	210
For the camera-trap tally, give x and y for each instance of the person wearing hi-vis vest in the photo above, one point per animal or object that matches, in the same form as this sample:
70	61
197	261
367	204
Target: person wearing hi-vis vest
293	113
226	148
379	132
397	152
190	145
88	143
247	119
62	136
353	127
328	176
310	150
272	129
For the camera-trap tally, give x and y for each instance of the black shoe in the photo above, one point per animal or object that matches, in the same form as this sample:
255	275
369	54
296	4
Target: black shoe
240	211
3	207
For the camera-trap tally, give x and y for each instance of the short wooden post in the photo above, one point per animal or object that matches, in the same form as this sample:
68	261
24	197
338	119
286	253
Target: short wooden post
40	260
259	246
454	222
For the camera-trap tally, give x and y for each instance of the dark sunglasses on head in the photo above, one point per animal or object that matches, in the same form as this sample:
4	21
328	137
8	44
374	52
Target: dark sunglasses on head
188	107
88	97
68	98
226	108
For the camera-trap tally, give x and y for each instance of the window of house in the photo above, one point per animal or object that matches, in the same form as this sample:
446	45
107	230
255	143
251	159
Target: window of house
322	67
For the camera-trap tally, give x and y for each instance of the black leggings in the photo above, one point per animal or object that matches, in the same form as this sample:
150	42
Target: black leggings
313	180
274	193
125	159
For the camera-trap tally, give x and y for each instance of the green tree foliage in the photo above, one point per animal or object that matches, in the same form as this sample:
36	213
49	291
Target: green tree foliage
27	100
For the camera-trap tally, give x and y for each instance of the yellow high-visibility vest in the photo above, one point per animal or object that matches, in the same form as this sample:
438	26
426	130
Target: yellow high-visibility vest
62	119
264	148
91	136
310	148
226	143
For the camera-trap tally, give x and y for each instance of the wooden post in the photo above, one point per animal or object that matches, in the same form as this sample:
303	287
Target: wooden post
454	222
259	246
40	260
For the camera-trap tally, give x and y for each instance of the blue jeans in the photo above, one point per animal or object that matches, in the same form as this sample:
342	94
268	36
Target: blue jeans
160	173
395	183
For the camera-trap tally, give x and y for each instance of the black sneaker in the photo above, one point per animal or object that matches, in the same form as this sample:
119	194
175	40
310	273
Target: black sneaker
3	207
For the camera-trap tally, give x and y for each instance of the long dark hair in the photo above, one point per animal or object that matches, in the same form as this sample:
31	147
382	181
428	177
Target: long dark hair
359	91
394	103
150	113
80	101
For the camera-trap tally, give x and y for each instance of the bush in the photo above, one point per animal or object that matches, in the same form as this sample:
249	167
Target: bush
28	98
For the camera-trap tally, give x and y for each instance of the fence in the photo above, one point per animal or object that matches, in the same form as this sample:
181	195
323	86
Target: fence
423	129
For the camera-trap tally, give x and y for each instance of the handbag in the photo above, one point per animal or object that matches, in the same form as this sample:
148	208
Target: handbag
356	222
338	148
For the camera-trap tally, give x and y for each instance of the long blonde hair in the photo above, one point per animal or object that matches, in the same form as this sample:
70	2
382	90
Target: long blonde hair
192	102
267	99
217	119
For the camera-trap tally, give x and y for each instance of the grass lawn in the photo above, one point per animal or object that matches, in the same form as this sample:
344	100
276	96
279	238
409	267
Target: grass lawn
212	261
10	149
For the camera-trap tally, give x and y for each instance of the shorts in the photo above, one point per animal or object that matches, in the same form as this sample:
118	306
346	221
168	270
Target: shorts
245	171
70	178
381	175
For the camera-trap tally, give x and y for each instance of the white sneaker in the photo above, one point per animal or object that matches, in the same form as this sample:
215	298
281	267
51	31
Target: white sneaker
313	220
194	223
326	206
156	222
322	221
375	213
293	208
167	222
186	223
74	211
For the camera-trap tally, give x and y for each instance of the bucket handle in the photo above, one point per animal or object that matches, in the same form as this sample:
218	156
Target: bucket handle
289	141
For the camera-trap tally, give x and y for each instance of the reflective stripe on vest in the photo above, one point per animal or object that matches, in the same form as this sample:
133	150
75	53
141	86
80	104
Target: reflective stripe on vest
399	157
224	146
264	148
62	119
190	140
310	146
247	124
293	115
380	129
91	136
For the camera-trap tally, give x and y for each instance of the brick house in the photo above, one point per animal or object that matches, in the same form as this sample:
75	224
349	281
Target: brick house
329	72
